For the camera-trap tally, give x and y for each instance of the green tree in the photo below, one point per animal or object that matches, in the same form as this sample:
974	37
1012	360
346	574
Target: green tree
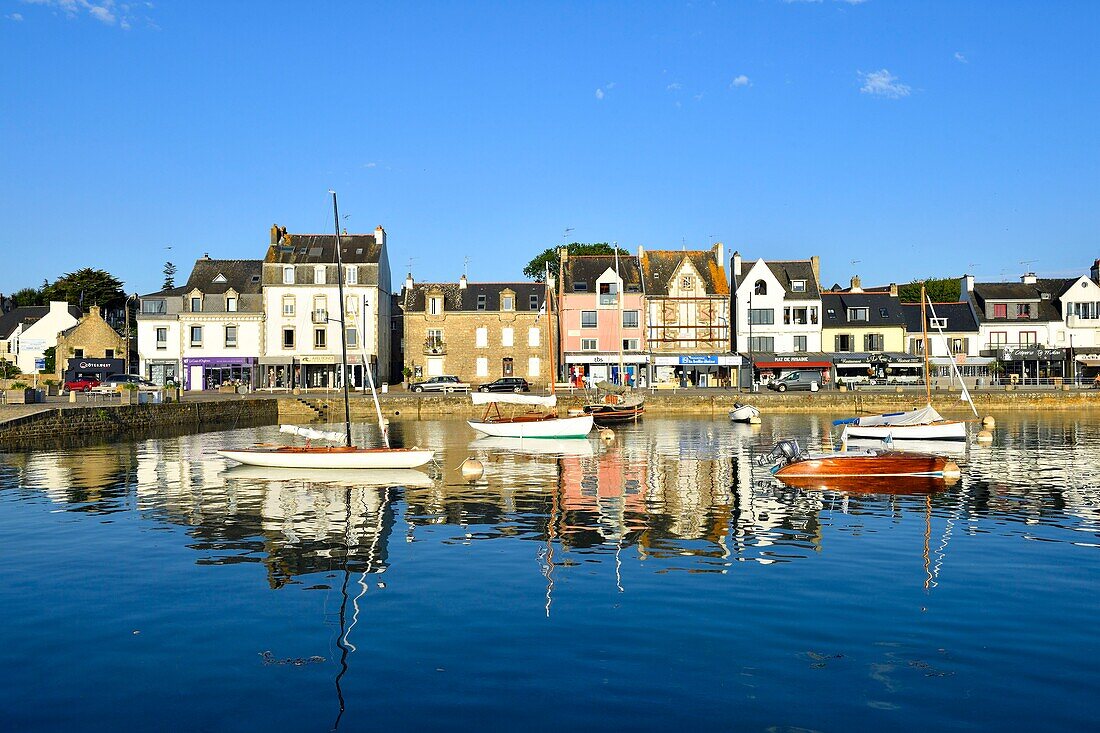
169	275
50	356
28	296
87	287
7	369
939	289
536	268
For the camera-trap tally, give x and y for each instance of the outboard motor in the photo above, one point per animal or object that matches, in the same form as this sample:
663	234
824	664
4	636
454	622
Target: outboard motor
786	451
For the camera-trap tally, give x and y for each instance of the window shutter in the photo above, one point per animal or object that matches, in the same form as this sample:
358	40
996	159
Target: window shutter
837	344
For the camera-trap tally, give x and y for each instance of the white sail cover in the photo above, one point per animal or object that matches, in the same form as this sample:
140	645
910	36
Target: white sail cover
510	398
923	416
311	434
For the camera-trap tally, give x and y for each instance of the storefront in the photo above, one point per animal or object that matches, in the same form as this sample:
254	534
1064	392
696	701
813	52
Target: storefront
878	368
213	372
1087	368
1028	364
768	366
697	370
974	370
162	371
98	368
586	369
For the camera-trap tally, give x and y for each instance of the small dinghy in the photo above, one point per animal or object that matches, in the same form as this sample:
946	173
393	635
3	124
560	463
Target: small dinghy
743	413
868	471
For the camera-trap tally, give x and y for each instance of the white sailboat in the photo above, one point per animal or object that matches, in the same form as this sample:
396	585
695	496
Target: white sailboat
527	424
345	456
923	423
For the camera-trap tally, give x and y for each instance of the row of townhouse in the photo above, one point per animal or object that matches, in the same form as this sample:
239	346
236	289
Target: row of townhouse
273	323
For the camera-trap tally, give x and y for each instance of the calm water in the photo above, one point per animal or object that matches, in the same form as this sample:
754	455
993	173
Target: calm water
655	584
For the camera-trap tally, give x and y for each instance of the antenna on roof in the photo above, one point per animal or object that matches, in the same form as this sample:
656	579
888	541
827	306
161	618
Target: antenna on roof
853	263
411	260
1028	264
565	234
465	266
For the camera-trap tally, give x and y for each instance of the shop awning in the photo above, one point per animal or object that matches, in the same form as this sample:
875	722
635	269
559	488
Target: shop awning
793	364
1089	360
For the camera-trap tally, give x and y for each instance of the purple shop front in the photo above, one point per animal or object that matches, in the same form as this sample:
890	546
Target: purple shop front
213	372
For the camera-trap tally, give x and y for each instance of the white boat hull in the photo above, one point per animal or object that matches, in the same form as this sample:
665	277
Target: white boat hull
744	413
953	430
560	427
354	459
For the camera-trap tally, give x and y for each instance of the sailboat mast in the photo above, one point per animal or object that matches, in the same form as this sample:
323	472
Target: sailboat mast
924	337
620	299
343	329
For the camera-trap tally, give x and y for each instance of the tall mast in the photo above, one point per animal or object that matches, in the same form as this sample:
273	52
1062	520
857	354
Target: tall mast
619	296
343	329
924	336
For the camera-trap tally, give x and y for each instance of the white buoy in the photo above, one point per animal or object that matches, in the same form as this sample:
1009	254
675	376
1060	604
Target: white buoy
989	422
607	435
472	469
985	436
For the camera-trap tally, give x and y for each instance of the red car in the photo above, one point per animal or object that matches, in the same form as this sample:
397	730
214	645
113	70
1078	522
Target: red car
81	384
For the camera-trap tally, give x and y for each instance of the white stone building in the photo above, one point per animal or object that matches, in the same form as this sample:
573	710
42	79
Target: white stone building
777	304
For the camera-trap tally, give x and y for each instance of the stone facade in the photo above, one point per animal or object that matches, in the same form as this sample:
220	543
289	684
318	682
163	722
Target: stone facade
91	338
478	332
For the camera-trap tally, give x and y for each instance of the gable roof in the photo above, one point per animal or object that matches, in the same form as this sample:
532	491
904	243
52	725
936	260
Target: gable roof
588	269
874	302
456	298
320	249
959	317
28	315
240	275
659	267
787	271
1048	310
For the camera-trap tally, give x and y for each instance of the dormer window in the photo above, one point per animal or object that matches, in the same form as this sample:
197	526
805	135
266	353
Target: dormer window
435	305
220	278
507	302
319	275
1023	310
288	275
482	302
883	313
798	286
760	288
231	302
608	294
940	323
351	275
1000	310
196	303
859	314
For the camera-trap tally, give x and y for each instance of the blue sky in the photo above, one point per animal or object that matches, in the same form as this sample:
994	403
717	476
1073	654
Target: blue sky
919	138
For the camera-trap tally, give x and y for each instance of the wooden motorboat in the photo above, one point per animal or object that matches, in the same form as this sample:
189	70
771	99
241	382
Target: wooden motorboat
868	471
616	404
743	413
545	424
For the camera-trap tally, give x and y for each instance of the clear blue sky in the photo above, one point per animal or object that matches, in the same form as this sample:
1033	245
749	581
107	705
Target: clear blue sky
920	138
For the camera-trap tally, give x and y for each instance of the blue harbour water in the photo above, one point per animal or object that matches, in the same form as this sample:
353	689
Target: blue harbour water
658	583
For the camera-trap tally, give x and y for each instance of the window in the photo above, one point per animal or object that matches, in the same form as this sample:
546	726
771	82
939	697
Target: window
608	293
940	323
351	275
534	337
109	354
506	367
230	304
196	335
580	287
687	282
353	338
482	366
800	343
1023	310
845	342
1000	310
630	319
762	343
507	336
760	288
508	303
960	345
883	313
797	316
162	338
481	302
78	353
872	342
916	347
859	314
435	305
998	338
435	338
230	336
630	344
320	309
320	338
534	364
798	286
481	337
588	344
762	317
813	315
288	338
288	305
319	275
288	275
154	307
534	302
1029	338
196	303
588	319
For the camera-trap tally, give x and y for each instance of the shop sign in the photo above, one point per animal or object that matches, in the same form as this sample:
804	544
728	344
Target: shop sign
1010	353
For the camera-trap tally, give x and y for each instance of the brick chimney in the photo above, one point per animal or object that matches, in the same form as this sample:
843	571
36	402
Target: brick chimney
274	233
815	265
95	312
856	287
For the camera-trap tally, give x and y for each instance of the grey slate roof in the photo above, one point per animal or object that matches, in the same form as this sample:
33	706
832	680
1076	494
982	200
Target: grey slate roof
466	299
320	249
658	267
959	317
28	315
786	271
1048	309
588	268
166	293
839	303
241	275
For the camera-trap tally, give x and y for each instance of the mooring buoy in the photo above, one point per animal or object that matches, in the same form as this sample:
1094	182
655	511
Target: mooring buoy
472	469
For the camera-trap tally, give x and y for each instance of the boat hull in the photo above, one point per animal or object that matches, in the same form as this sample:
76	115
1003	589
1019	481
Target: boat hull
330	458
612	414
892	472
744	413
950	430
558	427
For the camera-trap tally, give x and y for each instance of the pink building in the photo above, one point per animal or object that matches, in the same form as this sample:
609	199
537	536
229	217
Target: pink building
594	325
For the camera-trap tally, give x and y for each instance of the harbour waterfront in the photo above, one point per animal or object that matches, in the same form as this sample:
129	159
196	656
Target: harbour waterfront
658	581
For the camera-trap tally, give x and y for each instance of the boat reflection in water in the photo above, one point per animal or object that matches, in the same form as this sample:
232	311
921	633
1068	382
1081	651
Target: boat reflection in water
381	477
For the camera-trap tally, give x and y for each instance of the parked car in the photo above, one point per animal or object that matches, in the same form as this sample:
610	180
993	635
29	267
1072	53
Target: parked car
810	381
444	383
114	382
80	383
506	384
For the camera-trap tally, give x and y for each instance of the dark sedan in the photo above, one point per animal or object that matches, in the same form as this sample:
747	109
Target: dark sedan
506	384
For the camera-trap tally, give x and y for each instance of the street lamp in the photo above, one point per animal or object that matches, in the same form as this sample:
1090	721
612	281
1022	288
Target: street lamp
126	315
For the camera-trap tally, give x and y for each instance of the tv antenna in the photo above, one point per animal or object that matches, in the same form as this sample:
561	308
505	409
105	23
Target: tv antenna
465	266
1028	264
565	234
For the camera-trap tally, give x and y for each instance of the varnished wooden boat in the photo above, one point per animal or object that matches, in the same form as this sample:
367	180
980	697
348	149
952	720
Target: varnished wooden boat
867	471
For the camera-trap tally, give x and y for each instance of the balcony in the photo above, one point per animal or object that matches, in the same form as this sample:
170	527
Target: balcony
320	315
435	347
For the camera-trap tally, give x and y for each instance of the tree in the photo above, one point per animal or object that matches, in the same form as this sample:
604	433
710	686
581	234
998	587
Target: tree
27	296
536	268
169	275
939	289
7	369
87	287
50	355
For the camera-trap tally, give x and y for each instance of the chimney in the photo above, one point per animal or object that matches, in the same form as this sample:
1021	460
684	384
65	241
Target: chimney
409	281
1028	278
563	254
967	285
206	255
894	289
58	307
736	266
1096	272
719	250
855	285
462	282
94	311
815	265
274	233
380	235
